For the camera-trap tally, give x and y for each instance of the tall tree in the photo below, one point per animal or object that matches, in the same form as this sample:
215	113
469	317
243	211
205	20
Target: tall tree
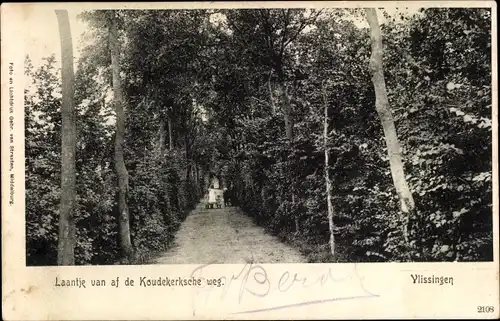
121	169
170	134
328	183
268	35
161	140
67	230
407	203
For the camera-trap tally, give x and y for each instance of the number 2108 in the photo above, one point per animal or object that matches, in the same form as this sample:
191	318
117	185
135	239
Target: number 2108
485	309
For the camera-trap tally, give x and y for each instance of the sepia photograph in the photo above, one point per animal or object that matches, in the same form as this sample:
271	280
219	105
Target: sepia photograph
260	135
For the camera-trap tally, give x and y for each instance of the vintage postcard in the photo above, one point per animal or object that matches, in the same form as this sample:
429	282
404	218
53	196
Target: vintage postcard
249	160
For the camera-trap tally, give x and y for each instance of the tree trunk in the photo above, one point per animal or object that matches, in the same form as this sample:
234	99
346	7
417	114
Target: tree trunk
271	98
196	180
287	108
121	170
188	171
296	218
187	158
161	140
382	105
263	195
67	229
327	175
170	137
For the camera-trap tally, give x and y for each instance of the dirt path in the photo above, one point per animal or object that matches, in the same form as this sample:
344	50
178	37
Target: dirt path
225	236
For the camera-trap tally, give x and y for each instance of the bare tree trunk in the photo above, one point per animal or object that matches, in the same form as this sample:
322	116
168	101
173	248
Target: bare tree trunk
287	107
382	105
327	175
187	158
161	141
296	218
263	195
170	136
271	98
196	179
67	229
121	169
188	171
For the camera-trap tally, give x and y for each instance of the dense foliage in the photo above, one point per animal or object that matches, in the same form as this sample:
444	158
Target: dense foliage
206	95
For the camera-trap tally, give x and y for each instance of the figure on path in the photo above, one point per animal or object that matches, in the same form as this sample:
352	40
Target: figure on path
214	198
227	198
218	202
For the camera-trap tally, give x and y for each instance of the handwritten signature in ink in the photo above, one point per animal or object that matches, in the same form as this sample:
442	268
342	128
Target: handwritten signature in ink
254	280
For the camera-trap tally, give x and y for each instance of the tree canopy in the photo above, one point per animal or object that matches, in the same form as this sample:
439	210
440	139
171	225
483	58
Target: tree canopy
245	96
